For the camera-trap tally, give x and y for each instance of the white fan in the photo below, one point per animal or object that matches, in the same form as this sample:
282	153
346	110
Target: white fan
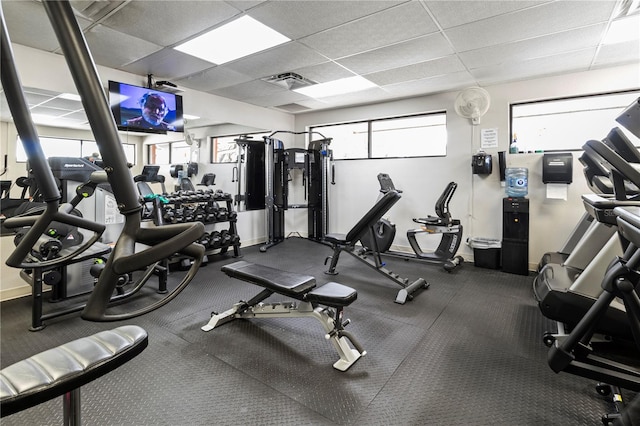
472	103
190	139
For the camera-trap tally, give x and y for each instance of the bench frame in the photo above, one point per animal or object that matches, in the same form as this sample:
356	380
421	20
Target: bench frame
331	317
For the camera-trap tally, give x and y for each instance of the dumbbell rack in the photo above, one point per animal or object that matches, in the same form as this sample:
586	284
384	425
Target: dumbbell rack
210	208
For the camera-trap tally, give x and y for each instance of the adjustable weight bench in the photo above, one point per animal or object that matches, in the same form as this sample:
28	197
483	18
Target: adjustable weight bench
63	370
332	296
347	242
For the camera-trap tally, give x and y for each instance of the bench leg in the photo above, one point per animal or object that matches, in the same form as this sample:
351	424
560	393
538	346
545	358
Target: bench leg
334	261
71	408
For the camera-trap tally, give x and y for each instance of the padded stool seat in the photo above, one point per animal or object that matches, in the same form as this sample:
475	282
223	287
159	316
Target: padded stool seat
66	368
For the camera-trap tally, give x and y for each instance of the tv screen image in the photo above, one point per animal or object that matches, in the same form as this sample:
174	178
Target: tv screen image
142	109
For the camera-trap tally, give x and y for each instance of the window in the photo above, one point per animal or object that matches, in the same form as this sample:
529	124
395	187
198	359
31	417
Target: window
180	153
224	149
159	153
423	135
566	124
77	148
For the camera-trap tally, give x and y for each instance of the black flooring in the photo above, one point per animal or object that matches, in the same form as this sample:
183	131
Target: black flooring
466	351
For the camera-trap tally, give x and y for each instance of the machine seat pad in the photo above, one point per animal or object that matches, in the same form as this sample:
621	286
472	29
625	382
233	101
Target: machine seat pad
282	282
60	370
332	294
336	238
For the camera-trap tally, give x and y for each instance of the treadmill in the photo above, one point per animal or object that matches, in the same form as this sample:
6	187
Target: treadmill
565	291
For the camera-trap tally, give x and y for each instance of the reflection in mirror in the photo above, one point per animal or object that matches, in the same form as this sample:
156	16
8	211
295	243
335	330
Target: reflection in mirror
224	149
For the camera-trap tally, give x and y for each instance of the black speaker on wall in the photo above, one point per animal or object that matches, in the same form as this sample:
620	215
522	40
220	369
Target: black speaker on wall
502	164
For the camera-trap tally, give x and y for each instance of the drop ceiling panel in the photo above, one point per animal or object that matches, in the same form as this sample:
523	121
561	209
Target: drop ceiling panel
550	65
61	103
323	73
77	115
390	26
106	45
252	89
280	59
213	78
557	16
536	47
277	98
44	110
169	22
28	24
622	53
451	14
440	66
441	83
398	55
168	63
296	19
37	97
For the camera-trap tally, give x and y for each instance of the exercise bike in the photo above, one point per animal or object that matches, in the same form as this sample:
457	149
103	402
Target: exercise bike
451	230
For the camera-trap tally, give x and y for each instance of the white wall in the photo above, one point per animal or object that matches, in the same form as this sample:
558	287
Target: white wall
478	199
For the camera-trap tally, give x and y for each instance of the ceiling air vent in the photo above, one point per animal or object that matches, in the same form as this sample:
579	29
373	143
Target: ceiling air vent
289	80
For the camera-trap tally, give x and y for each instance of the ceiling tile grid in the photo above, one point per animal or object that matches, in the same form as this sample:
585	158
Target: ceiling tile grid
398	55
297	19
545	19
407	47
546	45
169	22
403	22
440	66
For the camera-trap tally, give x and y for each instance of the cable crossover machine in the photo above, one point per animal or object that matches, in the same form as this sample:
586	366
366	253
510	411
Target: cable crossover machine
263	173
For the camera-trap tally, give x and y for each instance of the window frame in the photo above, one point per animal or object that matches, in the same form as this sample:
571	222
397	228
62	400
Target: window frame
318	129
212	144
81	148
560	99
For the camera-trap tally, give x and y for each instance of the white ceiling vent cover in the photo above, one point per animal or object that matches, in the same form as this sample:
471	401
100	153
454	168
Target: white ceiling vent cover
289	80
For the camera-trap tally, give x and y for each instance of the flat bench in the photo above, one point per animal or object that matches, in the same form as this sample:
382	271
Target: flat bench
65	369
332	296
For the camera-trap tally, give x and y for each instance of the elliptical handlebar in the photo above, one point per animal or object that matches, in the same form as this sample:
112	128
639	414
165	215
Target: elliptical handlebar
20	257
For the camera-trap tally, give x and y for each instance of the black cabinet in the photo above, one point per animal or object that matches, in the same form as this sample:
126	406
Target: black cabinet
515	235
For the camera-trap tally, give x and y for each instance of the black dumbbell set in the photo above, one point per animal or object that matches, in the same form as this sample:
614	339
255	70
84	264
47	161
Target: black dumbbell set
206	206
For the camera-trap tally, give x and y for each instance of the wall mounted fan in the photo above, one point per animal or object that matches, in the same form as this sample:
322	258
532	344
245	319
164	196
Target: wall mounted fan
472	103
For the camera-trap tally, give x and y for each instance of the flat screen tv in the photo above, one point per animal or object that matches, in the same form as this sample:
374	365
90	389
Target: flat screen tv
139	109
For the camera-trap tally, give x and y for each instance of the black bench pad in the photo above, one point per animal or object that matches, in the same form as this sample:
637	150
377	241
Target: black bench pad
286	283
60	370
332	294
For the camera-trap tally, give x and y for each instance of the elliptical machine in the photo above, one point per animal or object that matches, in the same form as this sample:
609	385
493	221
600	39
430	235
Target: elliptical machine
451	230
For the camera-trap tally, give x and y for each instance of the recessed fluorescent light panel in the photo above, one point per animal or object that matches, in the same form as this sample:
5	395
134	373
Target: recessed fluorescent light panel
336	87
623	29
234	40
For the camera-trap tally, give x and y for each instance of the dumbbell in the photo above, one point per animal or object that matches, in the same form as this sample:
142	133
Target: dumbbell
215	241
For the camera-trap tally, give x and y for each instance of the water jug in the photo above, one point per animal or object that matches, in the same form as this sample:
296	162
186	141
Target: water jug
517	184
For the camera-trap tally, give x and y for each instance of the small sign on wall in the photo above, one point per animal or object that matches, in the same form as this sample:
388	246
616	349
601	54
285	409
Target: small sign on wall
488	138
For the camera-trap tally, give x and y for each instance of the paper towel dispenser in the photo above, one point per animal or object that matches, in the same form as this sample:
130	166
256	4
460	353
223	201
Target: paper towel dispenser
557	167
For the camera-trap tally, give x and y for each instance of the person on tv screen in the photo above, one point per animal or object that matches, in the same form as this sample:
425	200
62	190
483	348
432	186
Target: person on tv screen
154	109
